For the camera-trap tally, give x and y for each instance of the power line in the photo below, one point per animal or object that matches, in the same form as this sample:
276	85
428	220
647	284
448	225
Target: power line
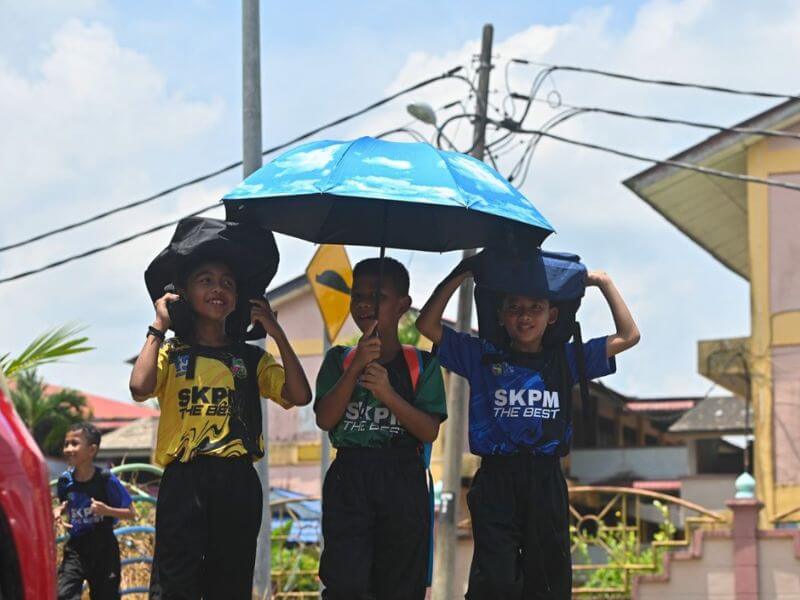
99	249
669	120
666	82
452	73
666	162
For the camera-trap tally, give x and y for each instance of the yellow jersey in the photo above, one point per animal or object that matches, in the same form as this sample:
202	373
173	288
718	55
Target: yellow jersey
210	400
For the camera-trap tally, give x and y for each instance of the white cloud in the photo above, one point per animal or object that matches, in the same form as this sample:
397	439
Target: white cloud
384	161
89	123
678	293
310	160
89	126
471	169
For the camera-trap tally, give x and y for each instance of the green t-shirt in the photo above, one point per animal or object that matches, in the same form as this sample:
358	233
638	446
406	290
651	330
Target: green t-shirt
366	422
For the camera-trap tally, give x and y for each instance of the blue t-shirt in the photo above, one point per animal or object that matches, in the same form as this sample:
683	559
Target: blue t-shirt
517	409
78	494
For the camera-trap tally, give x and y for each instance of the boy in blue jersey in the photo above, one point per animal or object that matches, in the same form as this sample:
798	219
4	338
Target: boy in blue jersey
93	499
520	425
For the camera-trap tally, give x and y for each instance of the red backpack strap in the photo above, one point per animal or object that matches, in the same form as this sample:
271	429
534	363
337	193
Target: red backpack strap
349	355
414	362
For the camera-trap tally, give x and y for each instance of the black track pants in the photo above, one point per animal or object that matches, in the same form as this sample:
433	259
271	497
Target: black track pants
207	521
94	558
520	524
375	521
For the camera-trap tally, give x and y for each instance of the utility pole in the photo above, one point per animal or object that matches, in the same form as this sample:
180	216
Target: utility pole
324	445
444	580
324	440
251	147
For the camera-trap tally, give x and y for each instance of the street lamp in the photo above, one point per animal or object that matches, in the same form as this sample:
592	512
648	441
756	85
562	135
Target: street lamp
423	112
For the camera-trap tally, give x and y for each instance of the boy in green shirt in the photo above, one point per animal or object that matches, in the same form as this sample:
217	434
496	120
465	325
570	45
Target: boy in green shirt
381	403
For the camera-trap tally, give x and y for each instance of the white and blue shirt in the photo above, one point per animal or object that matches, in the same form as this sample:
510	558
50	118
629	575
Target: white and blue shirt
516	409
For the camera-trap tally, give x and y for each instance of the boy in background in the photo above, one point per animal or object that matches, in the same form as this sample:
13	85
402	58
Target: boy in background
93	499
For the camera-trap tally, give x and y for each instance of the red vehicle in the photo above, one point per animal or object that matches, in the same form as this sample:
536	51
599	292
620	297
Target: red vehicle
27	541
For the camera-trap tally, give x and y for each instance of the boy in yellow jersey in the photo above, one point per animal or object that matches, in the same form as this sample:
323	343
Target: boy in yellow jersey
209	385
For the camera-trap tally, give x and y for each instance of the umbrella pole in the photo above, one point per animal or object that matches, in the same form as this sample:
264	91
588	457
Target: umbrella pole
380	283
380	265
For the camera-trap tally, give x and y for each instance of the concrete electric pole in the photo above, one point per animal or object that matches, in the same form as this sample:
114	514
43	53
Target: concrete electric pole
444	581
251	146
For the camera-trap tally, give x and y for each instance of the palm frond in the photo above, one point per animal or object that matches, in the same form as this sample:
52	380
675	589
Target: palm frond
49	347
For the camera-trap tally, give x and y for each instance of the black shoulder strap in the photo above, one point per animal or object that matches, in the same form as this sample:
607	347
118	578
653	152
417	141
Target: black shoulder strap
587	410
252	356
103	476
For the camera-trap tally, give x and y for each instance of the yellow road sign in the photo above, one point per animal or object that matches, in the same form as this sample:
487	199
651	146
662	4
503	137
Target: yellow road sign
331	277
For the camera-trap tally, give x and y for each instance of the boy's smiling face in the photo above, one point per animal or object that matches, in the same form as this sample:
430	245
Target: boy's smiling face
362	304
211	291
77	449
525	320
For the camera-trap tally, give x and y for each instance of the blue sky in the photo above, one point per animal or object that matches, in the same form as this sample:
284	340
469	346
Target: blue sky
105	102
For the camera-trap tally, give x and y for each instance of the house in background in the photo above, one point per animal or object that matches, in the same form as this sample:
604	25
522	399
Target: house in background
131	443
713	433
108	416
752	229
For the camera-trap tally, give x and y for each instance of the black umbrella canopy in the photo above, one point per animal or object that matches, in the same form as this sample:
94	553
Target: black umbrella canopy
250	251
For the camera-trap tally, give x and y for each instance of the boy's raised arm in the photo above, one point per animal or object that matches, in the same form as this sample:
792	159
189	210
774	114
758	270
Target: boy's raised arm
627	333
296	389
429	322
145	371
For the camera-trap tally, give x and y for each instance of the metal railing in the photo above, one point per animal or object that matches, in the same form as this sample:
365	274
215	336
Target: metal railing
618	533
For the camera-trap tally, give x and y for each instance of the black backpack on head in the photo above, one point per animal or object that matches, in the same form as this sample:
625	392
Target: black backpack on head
559	277
249	251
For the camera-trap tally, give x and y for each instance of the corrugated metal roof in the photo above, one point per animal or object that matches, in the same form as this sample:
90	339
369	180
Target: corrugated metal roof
721	414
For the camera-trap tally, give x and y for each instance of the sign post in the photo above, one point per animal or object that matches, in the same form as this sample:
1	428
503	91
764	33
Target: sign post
331	278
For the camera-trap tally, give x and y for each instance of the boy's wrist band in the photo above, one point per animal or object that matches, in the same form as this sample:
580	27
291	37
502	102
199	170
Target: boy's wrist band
155	333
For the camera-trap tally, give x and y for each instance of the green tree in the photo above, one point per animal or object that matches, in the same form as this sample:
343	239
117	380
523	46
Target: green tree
47	416
407	331
51	346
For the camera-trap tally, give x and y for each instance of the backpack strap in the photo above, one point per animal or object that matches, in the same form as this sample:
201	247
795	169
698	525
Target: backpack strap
587	410
349	355
413	357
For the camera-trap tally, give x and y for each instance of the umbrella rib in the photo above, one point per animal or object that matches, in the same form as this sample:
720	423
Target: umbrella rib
466	205
335	167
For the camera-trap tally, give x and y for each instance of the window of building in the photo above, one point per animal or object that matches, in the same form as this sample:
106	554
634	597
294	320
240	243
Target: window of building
606	434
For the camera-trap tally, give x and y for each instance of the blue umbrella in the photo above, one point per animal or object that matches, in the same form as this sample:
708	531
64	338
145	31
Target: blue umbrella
371	192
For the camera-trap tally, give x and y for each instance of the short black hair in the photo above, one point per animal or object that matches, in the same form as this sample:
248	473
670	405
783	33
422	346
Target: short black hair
393	271
90	432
